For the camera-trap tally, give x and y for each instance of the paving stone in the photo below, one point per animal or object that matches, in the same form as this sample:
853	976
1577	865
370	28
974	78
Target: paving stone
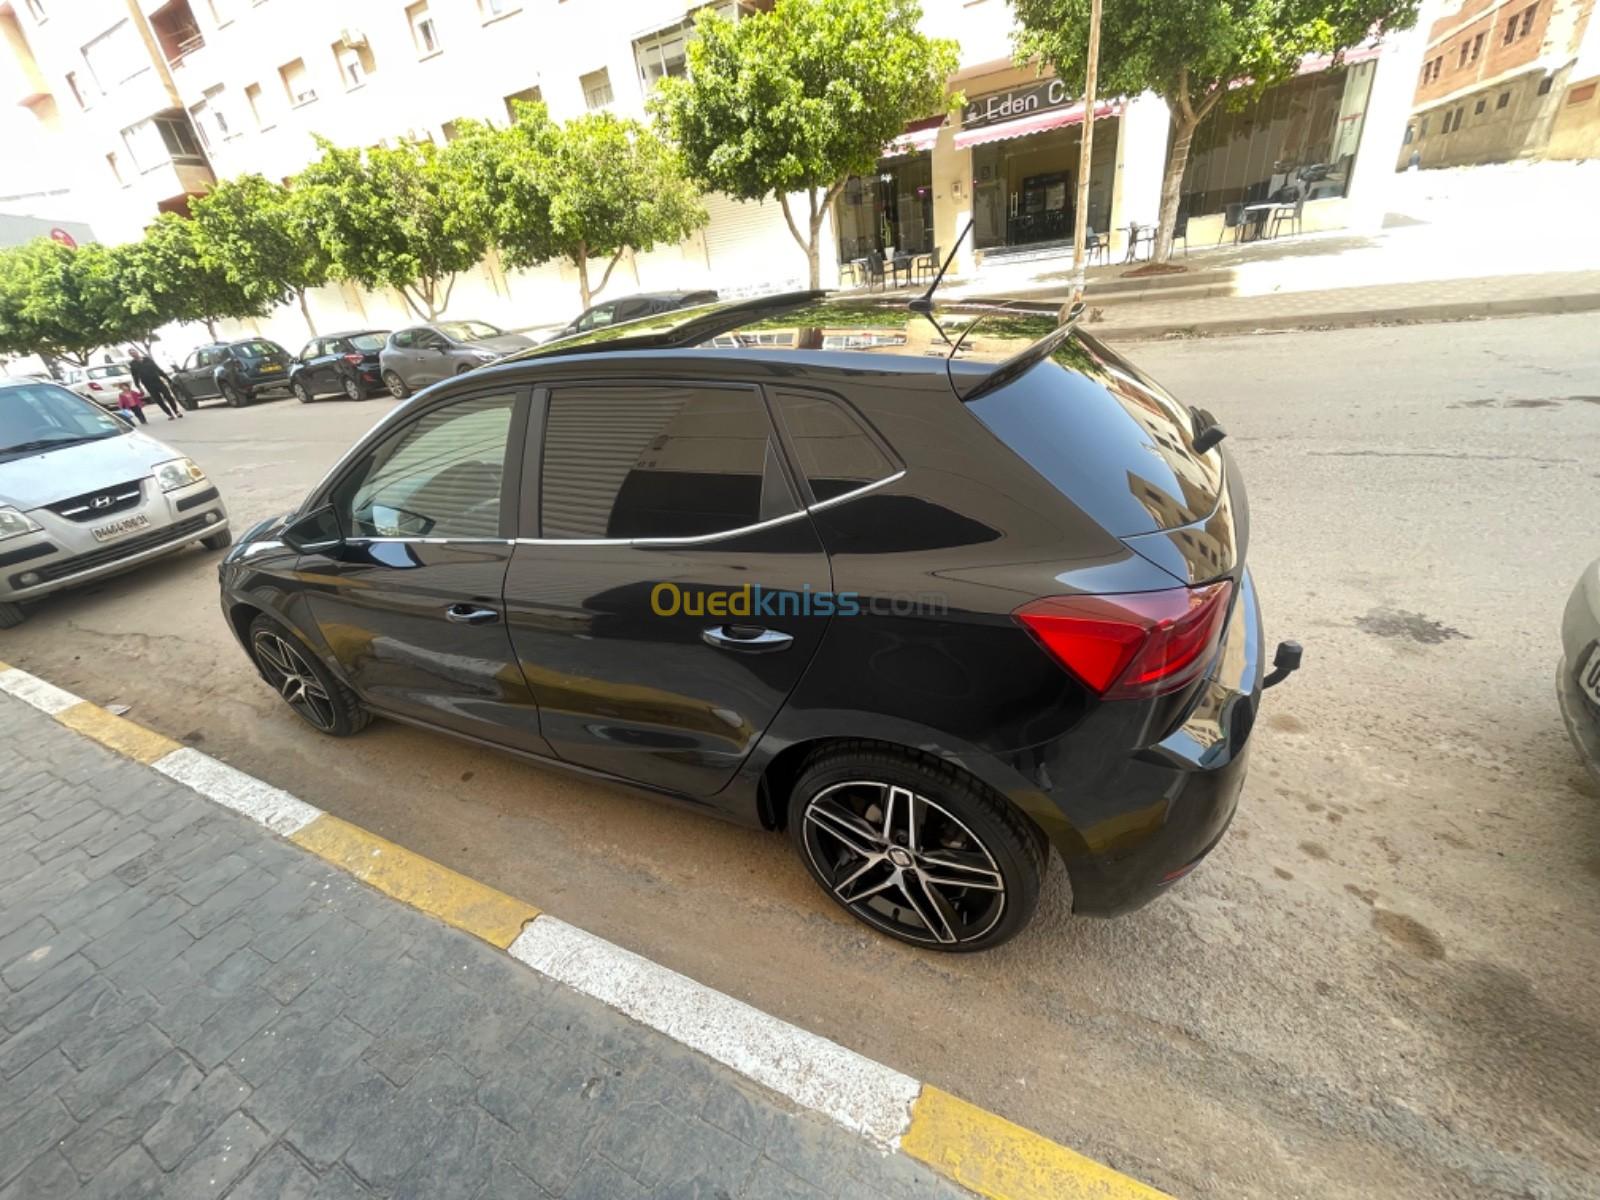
114	1016
28	966
135	1053
228	901
319	954
185	1124
25	1089
570	1119
124	1118
741	1111
244	966
339	1184
215	1163
212	878
88	898
685	1151
124	938
111	860
599	1180
47	1178
458	1160
45	992
31	1134
60	1021
225	1030
413	1123
772	1182
277	1175
302	1035
181	1018
222	941
358	1099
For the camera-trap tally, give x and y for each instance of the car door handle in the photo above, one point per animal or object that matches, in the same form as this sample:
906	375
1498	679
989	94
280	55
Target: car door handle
470	614
750	639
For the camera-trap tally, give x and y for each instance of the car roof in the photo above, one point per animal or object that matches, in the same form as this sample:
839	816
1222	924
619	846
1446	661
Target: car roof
805	324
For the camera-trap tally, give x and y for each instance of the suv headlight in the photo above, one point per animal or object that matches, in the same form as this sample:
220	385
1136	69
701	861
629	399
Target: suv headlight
14	523
177	473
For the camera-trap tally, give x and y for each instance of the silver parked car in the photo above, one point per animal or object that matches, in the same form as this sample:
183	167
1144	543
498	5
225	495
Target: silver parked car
1578	676
423	354
102	383
82	494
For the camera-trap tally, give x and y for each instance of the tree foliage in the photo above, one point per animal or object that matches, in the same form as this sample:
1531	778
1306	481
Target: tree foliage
405	216
591	189
167	277
1196	54
61	302
263	237
801	97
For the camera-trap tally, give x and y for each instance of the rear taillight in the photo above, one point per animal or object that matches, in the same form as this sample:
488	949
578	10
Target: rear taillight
93	386
1138	644
355	360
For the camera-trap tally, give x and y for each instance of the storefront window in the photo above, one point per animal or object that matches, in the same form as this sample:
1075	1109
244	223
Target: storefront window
1299	137
1024	189
892	210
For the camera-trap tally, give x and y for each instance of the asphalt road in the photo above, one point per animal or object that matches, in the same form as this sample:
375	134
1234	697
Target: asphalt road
1384	981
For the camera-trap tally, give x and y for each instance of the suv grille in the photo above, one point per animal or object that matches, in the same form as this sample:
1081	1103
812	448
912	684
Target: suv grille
102	502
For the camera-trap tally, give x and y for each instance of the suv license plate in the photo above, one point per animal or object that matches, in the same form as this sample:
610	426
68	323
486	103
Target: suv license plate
116	529
266	367
1589	677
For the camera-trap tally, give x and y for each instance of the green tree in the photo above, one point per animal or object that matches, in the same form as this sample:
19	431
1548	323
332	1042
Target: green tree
1196	54
589	190
60	302
404	216
801	97
167	277
263	237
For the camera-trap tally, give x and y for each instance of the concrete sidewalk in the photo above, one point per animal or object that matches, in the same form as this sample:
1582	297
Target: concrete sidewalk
193	1008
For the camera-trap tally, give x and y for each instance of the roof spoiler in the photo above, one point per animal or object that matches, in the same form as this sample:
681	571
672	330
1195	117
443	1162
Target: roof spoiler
1023	360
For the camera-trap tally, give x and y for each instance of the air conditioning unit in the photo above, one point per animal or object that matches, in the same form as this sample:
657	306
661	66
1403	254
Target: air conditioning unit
351	38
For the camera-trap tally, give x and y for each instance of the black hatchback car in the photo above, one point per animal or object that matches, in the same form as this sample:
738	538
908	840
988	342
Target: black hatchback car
237	371
797	563
339	362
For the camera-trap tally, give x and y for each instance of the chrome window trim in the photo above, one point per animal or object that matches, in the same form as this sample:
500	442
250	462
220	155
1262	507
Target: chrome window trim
426	541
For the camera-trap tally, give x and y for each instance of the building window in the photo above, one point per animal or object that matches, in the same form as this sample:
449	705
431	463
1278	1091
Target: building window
222	11
530	95
37	12
1581	95
1511	32
116	169
1527	19
1477	47
77	92
596	88
1545	84
258	111
1505	99
1422	130
490	9
423	32
163	139
1477	109
354	60
296	83
209	117
116	56
1411	133
176	32
1466	49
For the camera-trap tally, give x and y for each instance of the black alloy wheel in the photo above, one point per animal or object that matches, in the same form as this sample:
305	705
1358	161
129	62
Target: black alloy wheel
301	392
232	395
917	850
320	700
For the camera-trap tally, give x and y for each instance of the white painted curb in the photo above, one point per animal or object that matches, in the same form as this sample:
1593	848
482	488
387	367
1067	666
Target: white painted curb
245	794
46	697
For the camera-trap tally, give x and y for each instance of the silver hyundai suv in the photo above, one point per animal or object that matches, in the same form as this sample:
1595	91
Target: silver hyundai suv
83	495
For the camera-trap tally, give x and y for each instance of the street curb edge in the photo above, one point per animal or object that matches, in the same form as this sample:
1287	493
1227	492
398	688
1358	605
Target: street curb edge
969	1145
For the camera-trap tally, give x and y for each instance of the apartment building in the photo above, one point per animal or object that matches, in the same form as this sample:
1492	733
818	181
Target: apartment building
155	99
1495	79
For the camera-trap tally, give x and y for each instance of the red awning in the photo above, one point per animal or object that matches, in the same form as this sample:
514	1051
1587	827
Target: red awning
918	136
1053	118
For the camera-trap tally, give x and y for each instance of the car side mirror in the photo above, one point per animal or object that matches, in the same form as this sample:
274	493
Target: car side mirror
316	531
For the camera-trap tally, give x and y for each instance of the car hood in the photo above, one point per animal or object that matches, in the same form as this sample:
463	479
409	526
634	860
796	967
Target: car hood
504	344
52	475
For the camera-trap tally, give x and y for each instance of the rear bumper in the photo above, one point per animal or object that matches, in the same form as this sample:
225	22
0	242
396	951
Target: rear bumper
1140	824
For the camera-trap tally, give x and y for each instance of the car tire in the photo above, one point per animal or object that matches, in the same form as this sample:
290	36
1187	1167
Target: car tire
183	397
353	389
397	386
11	615
984	861
220	540
301	392
464	368
232	395
299	677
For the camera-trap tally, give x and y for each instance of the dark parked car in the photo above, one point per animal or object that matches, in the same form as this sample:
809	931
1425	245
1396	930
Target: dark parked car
632	308
413	358
236	371
931	614
339	362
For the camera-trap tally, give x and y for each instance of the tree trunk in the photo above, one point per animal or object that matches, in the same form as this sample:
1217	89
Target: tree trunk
808	244
211	327
306	312
581	257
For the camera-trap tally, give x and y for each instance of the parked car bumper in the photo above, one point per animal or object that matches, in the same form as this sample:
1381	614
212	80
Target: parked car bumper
64	552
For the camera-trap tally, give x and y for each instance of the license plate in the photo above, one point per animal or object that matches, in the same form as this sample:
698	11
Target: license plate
1589	677
116	529
265	367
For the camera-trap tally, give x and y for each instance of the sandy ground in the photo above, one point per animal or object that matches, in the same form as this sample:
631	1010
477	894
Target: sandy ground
1383	982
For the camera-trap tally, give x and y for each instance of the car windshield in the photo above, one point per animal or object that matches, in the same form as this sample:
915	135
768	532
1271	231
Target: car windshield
467	331
42	416
259	348
367	341
110	371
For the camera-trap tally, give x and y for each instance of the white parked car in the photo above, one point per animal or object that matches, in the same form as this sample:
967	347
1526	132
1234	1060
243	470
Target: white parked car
100	383
82	494
1578	675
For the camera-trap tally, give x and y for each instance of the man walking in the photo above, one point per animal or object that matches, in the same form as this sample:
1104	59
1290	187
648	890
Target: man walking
147	373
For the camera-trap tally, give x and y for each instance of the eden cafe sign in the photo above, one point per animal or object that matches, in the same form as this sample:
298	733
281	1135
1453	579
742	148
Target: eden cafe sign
1018	102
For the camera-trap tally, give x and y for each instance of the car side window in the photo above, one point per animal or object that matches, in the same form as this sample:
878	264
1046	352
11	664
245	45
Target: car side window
665	461
206	358
832	450
438	477
404	339
427	339
312	350
336	346
601	314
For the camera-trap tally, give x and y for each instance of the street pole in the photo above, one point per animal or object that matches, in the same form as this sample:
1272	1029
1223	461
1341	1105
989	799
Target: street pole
1080	223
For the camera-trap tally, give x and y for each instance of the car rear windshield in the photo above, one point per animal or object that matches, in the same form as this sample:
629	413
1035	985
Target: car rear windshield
367	341
108	372
467	331
259	348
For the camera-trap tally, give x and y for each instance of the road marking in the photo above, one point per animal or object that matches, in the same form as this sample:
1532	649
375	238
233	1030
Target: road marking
864	1096
420	882
977	1149
993	1157
123	736
245	794
46	697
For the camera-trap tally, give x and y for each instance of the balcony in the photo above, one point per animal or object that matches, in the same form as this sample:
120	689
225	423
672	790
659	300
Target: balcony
177	33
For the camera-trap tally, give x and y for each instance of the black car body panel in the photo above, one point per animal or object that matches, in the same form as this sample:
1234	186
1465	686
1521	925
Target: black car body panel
938	516
338	362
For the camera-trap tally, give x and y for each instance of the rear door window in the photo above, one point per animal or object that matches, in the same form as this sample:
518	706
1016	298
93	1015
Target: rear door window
404	339
669	461
832	449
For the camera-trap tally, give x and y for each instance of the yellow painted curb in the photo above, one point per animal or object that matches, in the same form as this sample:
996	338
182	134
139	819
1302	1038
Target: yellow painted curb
420	882
123	736
995	1158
